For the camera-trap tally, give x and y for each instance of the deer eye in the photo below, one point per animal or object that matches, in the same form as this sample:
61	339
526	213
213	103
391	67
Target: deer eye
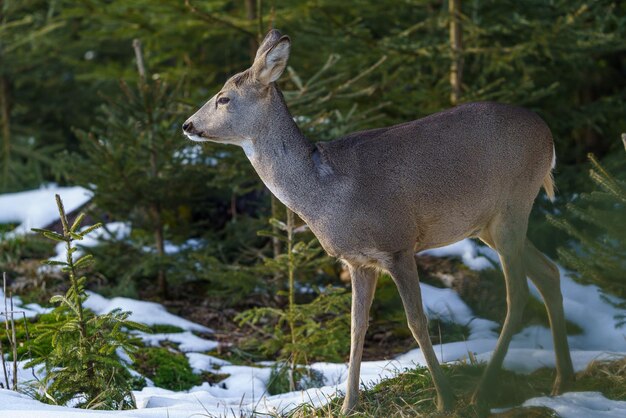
223	100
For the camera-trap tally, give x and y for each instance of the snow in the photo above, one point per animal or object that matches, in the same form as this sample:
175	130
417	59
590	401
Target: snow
20	311
194	155
202	362
469	253
37	208
116	231
447	305
187	341
581	404
149	313
243	392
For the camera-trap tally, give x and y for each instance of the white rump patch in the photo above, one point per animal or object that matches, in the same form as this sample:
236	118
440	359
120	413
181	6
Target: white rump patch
553	157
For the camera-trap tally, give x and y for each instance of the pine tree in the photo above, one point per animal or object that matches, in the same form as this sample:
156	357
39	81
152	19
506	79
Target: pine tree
142	170
79	349
26	30
595	224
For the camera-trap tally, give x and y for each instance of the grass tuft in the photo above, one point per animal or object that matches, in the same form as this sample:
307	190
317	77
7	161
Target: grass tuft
412	394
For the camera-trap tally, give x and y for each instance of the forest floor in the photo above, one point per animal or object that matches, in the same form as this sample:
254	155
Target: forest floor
201	343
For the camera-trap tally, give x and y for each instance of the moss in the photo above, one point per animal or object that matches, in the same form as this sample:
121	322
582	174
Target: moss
165	329
167	369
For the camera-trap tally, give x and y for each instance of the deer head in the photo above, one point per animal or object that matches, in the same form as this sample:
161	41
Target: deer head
247	101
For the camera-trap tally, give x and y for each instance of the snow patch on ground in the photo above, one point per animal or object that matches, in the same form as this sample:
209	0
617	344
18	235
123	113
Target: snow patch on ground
581	404
37	208
204	363
187	341
469	253
116	231
244	391
149	313
447	305
29	311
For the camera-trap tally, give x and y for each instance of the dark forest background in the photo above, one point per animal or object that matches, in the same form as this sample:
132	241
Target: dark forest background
75	110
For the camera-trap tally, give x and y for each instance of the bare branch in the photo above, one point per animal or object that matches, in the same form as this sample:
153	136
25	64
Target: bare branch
208	17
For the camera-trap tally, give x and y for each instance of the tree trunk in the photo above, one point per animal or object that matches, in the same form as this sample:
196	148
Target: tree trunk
157	221
160	248
251	14
276	245
233	207
6	129
254	12
456	51
155	212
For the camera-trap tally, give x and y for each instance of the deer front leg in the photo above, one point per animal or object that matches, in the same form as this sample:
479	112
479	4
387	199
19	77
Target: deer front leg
404	273
363	288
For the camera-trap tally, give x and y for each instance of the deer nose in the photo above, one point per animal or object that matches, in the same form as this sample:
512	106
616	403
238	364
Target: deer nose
187	126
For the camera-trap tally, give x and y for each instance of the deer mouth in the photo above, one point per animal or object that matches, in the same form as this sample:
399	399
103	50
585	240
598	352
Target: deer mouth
195	137
200	137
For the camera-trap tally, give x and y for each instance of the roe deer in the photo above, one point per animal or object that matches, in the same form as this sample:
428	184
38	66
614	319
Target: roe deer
374	198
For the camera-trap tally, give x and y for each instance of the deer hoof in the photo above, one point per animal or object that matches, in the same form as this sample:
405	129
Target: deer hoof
348	406
562	384
480	404
445	403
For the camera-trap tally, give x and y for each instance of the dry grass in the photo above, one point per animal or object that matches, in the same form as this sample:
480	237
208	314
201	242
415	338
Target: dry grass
411	394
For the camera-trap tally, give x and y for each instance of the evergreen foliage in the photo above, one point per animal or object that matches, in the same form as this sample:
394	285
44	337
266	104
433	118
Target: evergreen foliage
147	175
300	332
595	223
305	332
564	59
167	369
79	349
26	30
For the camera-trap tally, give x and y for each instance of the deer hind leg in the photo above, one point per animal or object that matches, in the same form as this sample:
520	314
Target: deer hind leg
545	275
507	234
363	288
404	273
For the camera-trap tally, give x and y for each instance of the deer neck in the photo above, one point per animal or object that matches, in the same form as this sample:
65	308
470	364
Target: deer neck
287	163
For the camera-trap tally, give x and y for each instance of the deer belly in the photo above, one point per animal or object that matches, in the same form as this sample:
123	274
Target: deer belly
450	229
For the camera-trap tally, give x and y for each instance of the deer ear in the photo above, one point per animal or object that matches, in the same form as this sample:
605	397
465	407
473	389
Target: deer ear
269	66
270	40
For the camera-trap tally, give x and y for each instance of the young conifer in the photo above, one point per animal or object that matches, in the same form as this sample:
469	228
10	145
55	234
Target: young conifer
82	365
595	223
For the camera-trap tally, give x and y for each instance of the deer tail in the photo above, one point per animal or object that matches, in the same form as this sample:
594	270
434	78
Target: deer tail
548	181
